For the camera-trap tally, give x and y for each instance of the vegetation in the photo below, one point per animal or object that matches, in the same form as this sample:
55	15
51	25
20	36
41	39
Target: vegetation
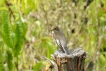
25	32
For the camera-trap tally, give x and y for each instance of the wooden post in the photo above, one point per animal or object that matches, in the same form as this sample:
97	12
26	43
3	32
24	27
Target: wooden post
72	62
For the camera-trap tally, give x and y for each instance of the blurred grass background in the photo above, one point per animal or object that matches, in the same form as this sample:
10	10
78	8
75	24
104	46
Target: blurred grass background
82	21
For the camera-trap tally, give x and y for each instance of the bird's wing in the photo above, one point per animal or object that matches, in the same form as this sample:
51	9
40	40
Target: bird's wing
62	46
59	44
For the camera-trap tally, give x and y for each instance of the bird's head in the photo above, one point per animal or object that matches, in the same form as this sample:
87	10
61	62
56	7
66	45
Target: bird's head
55	29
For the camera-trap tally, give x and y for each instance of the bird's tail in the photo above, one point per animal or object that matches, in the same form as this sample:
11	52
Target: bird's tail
66	50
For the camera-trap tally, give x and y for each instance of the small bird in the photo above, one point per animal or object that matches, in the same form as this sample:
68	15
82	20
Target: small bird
60	39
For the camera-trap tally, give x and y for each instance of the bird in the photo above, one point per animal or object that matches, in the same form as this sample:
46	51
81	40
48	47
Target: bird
60	39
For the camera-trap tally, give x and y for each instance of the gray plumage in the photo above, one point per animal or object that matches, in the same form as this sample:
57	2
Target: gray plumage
60	39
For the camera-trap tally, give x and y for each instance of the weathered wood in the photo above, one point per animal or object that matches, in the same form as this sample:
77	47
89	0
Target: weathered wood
72	62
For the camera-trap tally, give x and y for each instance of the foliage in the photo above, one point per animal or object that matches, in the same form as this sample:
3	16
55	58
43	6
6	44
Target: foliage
13	39
1	59
37	67
25	27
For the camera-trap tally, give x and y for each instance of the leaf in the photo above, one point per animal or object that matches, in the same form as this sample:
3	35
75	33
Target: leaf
1	58
9	58
13	40
38	66
46	44
6	28
19	38
24	28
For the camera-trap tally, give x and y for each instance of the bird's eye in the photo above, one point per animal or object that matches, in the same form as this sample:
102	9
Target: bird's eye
56	28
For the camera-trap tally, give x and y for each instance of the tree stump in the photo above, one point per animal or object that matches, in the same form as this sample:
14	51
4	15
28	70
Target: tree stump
72	62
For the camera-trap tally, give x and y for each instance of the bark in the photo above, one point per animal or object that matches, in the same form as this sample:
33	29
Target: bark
72	62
